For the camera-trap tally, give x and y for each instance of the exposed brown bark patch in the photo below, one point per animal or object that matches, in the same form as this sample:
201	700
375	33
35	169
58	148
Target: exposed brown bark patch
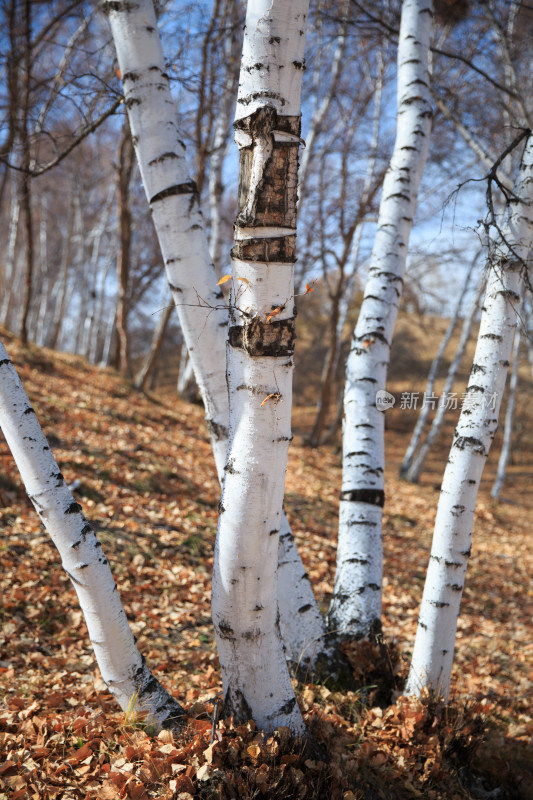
280	248
257	338
268	171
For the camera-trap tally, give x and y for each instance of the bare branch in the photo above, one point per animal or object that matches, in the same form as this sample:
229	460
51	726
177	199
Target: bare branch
90	128
445	53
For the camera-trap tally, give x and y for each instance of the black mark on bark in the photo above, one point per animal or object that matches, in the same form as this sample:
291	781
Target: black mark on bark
189	187
374	497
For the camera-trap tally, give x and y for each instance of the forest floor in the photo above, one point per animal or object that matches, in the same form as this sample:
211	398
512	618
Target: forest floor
148	485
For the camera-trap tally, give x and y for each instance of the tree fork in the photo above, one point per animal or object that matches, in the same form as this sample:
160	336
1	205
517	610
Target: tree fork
259	370
161	155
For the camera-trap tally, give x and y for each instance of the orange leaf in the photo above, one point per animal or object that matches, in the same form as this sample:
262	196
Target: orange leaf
244	280
224	279
274	394
254	751
200	725
118	73
80	755
137	791
273	313
308	288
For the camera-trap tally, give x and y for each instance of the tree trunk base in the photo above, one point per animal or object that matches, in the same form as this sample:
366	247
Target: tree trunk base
367	665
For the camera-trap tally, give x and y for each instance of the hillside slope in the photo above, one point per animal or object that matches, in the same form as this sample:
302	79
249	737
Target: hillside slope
148	484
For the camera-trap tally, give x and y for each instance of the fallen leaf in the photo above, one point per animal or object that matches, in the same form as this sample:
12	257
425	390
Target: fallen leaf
254	751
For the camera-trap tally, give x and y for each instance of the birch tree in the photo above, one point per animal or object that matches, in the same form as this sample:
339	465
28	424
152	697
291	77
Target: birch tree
8	271
347	214
509	418
417	465
173	202
405	470
432	660
356	605
179	225
259	369
122	666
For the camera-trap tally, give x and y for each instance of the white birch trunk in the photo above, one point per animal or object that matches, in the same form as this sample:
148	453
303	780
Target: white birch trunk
509	417
221	139
529	334
432	377
153	113
101	271
186	386
322	109
174	204
108	341
259	369
356	605
431	665
98	328
121	664
96	236
9	273
74	247
44	293
415	469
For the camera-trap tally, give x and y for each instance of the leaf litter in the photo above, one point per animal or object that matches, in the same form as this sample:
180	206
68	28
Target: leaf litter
145	478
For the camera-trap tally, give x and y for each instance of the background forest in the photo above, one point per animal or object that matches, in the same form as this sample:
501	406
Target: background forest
87	317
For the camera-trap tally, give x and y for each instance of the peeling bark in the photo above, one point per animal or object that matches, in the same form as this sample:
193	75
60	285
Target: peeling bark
259	371
178	222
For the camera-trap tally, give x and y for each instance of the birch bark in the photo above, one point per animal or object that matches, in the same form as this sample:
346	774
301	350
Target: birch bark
415	469
259	369
121	664
174	203
509	417
323	107
356	605
221	138
432	377
431	664
25	184
179	226
9	268
341	295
